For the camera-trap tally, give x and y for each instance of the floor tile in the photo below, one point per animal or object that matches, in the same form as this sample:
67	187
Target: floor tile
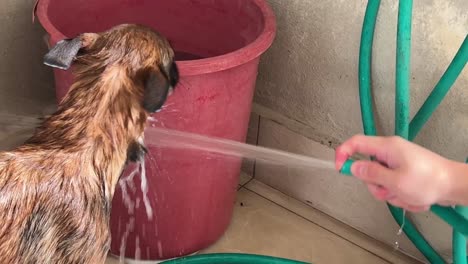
261	227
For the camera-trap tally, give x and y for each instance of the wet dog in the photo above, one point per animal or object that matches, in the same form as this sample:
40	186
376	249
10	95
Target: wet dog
56	188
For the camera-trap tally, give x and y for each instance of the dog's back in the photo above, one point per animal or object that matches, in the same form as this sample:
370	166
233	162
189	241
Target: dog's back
48	215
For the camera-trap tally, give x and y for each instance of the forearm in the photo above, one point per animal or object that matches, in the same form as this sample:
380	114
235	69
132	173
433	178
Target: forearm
457	193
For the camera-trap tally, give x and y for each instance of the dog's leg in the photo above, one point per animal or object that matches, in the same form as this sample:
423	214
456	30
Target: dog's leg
136	151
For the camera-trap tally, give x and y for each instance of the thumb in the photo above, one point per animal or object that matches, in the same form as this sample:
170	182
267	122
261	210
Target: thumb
373	173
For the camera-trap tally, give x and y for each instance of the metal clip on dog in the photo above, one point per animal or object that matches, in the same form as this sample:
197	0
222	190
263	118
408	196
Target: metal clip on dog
446	213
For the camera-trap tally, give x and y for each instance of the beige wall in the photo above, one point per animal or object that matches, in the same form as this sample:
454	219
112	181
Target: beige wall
26	86
309	86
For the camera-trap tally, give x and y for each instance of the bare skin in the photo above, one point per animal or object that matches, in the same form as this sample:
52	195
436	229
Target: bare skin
405	174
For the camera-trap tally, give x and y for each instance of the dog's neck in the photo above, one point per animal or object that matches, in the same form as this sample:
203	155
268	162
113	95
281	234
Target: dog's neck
100	116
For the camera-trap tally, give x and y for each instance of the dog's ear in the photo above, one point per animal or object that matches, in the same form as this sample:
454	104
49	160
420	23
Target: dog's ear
157	87
63	54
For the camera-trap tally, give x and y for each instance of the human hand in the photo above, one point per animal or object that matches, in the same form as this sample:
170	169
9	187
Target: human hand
404	174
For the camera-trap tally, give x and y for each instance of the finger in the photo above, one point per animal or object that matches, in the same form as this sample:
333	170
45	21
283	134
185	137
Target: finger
417	209
410	208
367	145
379	192
447	203
340	157
374	173
397	203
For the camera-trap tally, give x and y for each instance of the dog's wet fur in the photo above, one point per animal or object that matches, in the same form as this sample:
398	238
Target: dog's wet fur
56	189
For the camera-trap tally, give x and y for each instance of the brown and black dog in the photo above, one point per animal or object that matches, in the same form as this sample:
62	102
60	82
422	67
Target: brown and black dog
56	189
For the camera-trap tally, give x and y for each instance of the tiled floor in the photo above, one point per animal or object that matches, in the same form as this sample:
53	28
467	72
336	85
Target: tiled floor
267	222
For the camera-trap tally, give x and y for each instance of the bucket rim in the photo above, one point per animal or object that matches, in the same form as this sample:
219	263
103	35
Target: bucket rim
213	64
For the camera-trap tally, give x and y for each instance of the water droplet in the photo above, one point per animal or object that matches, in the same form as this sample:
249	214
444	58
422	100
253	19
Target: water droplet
396	246
403	222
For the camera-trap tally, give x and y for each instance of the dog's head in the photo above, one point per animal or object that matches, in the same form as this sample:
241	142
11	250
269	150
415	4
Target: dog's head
145	56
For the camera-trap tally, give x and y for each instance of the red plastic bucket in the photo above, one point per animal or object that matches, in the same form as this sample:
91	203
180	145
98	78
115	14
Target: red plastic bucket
218	45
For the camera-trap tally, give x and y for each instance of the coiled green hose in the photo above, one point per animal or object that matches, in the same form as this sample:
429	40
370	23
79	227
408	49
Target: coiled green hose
402	126
459	241
440	90
232	258
365	95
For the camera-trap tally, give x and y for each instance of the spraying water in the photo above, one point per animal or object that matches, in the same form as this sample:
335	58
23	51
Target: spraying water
172	139
163	137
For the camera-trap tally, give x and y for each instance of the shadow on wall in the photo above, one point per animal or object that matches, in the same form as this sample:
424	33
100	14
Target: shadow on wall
26	85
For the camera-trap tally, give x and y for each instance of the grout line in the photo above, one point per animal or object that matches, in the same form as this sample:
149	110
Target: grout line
257	140
252	177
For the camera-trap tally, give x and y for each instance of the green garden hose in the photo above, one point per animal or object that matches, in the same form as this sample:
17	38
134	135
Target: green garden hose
403	128
440	90
232	258
459	240
403	69
402	112
422	116
402	109
446	213
365	62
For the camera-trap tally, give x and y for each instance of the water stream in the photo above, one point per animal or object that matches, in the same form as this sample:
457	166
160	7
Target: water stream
163	137
156	137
